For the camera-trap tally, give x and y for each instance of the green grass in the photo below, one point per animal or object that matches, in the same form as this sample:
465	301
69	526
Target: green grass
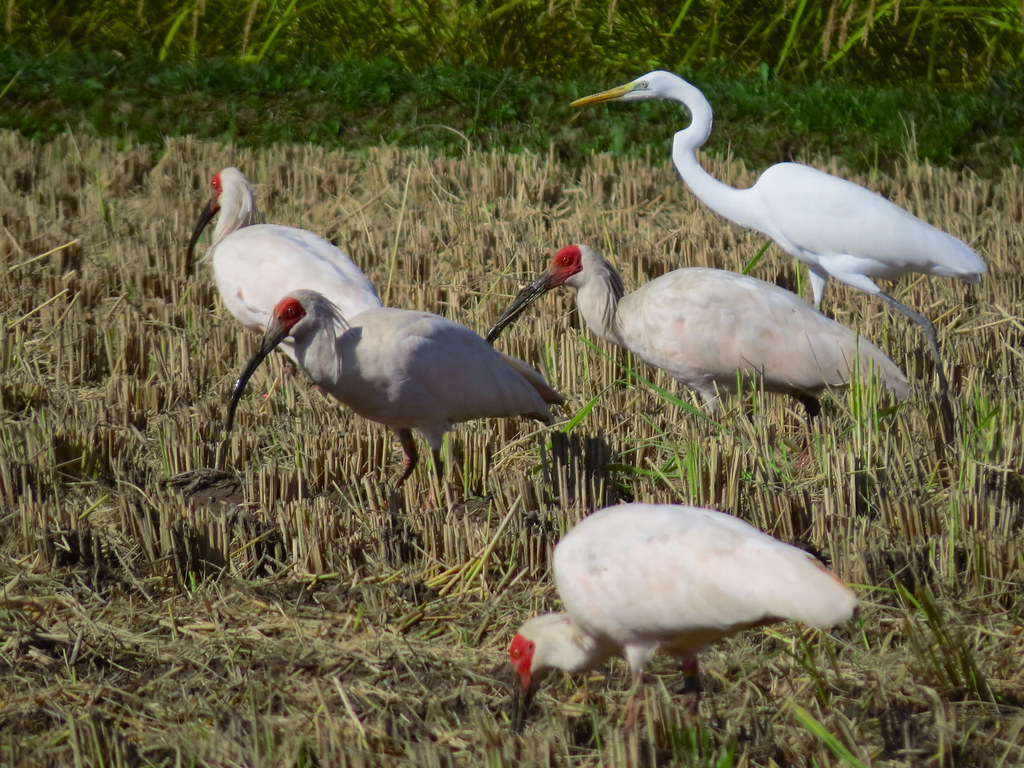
356	105
886	41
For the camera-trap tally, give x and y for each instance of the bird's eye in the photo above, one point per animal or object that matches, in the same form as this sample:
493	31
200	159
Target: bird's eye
515	653
566	260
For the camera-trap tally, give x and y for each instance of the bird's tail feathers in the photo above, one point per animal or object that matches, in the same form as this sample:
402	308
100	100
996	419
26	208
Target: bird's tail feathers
535	378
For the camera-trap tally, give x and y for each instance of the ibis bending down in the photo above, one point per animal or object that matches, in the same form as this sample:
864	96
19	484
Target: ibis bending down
255	264
705	327
837	228
402	368
638	577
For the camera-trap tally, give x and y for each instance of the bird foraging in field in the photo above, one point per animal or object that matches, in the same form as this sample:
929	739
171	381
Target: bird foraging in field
837	228
255	264
638	577
707	327
402	368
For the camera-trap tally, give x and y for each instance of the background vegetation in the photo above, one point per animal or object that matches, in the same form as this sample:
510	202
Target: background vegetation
868	41
171	595
874	83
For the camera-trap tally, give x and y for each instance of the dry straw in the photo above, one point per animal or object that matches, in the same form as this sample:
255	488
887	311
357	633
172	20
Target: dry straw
174	595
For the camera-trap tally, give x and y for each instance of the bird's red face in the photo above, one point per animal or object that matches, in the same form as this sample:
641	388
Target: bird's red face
520	656
217	187
288	312
567	262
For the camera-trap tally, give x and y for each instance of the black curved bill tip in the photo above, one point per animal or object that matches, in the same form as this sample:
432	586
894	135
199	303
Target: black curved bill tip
520	303
522	699
204	219
273	336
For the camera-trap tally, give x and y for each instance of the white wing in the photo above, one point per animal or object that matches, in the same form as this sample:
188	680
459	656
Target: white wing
256	266
702	326
643	573
851	229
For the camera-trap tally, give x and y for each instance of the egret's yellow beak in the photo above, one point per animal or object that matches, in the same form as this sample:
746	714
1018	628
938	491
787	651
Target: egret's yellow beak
610	95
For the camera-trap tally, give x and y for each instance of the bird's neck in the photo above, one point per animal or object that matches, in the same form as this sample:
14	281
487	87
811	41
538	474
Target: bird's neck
721	198
317	351
568	648
235	213
598	299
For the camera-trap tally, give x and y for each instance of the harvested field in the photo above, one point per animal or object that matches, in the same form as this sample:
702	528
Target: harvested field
176	596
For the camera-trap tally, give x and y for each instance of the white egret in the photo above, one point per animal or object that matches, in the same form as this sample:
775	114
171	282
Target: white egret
837	228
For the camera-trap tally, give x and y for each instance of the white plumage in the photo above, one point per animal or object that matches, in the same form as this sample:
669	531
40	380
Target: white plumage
838	228
706	326
403	368
255	264
638	577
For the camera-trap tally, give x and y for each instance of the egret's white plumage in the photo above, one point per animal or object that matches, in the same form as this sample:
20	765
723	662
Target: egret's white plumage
255	264
838	228
638	577
403	368
704	327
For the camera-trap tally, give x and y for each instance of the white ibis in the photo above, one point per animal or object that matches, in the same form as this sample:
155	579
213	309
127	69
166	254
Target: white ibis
255	264
638	577
704	327
402	368
837	228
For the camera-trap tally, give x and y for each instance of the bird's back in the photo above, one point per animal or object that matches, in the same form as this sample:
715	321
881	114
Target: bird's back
415	369
816	216
256	266
683	576
702	326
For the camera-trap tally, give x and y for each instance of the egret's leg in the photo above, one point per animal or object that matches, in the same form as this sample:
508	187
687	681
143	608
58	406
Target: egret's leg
929	333
947	421
411	455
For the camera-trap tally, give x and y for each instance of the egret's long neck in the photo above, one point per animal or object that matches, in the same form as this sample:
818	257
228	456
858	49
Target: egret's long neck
720	197
598	290
237	209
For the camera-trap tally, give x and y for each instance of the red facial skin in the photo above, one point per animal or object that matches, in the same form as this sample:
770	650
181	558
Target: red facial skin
520	656
217	188
567	262
289	311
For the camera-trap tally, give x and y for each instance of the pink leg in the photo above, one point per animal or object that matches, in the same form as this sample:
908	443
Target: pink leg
631	714
411	455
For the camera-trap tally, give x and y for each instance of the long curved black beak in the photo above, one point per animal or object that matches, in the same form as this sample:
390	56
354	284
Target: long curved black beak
522	699
273	336
204	219
523	299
